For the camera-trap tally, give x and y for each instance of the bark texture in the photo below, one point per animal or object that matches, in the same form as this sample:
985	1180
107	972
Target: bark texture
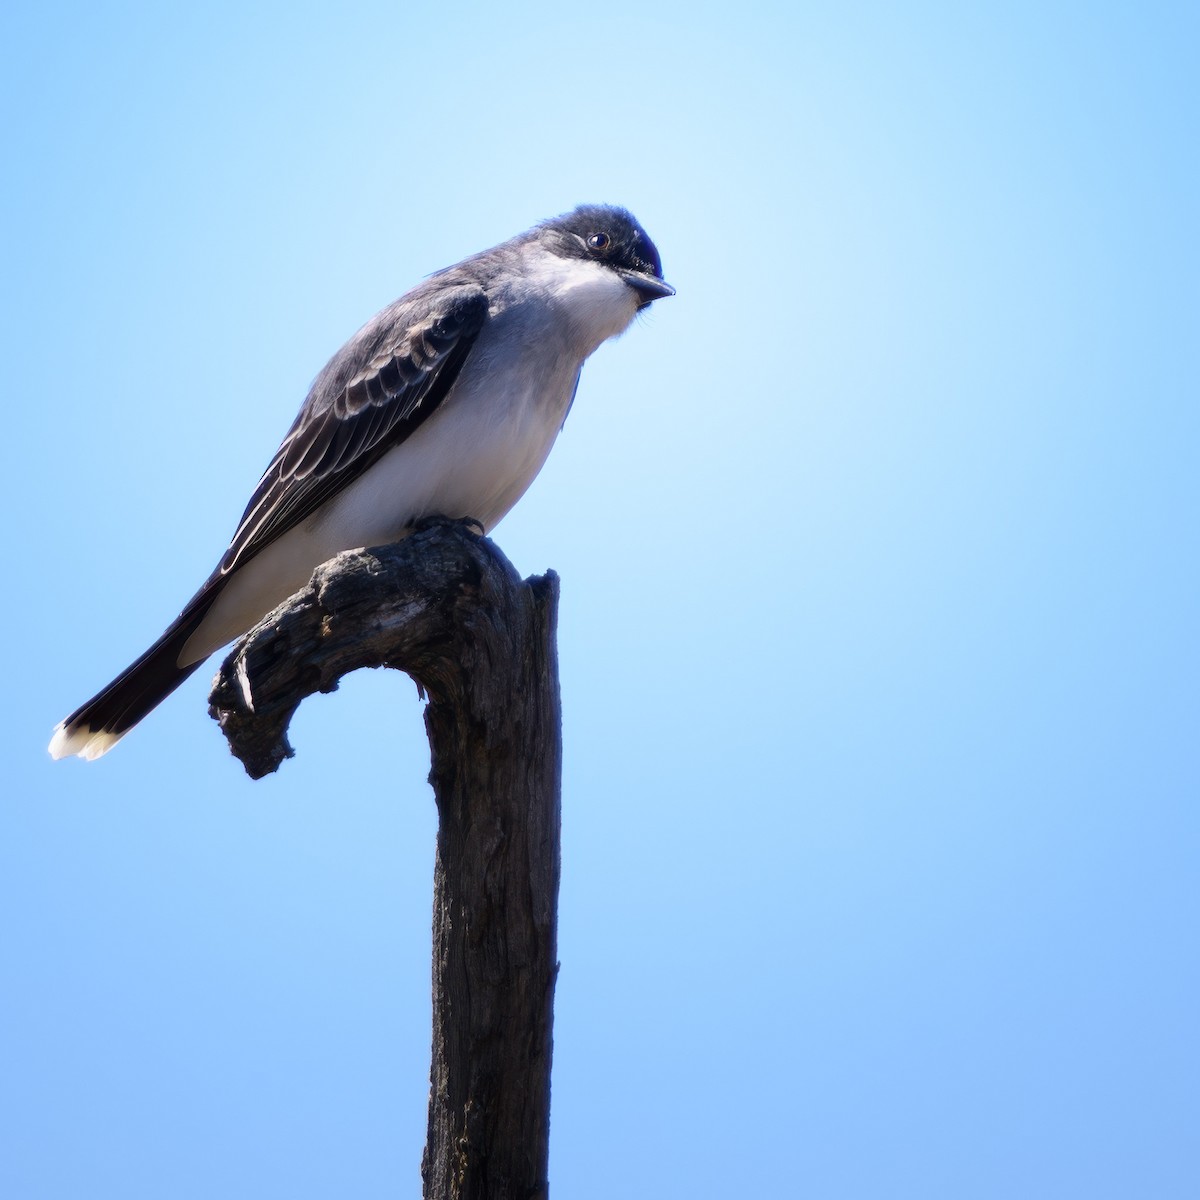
446	607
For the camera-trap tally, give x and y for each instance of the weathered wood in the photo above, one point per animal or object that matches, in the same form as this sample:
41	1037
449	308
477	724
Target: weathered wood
446	607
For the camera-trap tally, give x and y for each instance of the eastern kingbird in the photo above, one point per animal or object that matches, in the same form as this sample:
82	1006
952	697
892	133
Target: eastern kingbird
444	404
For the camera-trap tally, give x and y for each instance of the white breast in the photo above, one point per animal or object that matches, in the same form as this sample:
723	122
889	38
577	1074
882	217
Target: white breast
474	457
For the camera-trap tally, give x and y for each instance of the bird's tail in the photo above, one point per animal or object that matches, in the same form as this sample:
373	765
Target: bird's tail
97	726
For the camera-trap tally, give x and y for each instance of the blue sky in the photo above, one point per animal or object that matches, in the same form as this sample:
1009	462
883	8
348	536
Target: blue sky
878	635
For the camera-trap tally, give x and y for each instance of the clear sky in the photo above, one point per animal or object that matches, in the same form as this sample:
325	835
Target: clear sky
879	629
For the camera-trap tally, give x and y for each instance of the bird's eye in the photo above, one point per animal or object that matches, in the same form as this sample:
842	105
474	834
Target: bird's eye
599	241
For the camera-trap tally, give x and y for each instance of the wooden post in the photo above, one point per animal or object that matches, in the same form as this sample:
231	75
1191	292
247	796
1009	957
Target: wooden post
446	607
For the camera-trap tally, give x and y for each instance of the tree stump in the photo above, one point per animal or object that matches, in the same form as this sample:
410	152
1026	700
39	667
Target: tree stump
445	606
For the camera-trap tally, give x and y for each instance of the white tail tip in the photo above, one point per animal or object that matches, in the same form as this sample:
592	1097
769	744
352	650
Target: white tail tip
81	741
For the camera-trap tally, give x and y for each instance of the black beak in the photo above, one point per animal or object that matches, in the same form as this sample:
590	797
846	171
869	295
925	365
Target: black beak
648	287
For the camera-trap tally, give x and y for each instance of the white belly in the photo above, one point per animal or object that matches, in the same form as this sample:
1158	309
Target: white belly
475	457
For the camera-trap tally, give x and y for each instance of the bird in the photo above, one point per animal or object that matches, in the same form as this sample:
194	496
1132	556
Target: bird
446	403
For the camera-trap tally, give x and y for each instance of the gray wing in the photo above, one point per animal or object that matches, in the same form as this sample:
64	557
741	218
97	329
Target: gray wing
379	388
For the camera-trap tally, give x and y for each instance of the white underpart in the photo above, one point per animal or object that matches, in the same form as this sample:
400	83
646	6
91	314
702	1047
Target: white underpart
475	456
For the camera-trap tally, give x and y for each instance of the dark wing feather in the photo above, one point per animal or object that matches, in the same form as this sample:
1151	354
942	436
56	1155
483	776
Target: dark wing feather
374	393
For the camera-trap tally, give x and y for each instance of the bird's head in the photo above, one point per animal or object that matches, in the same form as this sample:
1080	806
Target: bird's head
605	234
